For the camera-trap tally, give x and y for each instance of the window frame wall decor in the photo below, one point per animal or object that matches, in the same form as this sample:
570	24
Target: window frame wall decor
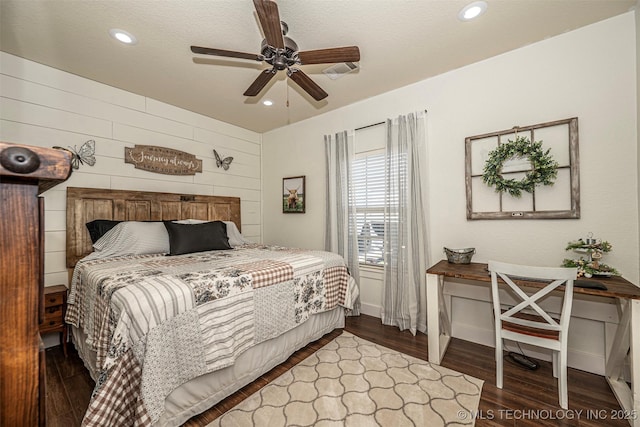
290	195
561	200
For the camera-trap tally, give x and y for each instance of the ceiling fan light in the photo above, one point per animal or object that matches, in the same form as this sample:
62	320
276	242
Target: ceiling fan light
123	36
472	10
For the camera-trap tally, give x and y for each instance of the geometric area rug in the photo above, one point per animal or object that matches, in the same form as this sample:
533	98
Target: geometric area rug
353	382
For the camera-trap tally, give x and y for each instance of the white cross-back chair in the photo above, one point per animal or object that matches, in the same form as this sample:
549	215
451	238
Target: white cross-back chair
539	328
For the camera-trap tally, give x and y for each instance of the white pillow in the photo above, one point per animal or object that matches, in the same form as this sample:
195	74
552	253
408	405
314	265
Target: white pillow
234	235
190	221
133	238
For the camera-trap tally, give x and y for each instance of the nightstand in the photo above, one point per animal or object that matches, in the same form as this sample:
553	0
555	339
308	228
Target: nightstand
55	307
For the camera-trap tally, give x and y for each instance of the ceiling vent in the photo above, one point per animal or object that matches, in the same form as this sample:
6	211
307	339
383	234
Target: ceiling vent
338	70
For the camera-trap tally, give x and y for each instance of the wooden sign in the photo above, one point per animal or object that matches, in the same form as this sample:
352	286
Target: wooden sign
162	160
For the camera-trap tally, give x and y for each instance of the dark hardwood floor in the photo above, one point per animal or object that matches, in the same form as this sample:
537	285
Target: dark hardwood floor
529	398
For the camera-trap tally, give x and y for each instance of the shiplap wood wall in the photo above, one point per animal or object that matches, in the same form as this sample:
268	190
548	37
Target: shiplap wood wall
42	106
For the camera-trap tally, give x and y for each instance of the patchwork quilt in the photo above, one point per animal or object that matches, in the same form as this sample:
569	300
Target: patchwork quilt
156	322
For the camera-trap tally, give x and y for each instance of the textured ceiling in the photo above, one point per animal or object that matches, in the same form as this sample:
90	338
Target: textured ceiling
401	42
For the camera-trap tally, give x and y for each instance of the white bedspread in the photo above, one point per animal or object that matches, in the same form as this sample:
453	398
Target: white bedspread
156	322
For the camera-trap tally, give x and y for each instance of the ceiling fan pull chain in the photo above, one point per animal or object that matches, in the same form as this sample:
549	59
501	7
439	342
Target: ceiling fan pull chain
288	111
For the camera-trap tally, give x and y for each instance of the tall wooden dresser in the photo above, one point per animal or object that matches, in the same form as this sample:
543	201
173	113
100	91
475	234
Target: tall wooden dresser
25	172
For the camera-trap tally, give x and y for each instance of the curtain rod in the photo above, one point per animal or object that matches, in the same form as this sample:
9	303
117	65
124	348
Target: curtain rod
370	126
374	124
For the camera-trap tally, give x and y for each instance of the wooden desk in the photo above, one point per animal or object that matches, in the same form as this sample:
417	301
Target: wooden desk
626	340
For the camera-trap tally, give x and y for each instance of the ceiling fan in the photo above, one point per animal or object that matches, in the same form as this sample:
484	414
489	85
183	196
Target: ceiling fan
282	53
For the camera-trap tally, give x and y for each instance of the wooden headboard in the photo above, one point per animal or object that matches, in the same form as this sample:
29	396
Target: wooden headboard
87	204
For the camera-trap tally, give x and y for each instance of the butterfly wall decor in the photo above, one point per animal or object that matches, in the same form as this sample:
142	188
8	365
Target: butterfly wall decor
86	154
220	162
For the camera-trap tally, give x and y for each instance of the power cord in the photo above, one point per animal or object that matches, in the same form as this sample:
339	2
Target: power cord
522	360
518	358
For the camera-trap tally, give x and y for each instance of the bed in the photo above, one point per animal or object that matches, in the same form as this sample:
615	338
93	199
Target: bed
170	324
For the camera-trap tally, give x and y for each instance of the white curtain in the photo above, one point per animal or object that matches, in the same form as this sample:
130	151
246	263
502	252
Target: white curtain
341	232
405	237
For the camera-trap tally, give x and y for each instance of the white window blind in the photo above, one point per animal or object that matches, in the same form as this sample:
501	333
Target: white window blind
368	176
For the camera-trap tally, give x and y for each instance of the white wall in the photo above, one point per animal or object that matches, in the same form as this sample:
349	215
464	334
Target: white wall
637	16
589	73
46	107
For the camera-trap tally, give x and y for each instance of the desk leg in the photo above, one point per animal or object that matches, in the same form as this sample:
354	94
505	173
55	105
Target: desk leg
627	338
437	343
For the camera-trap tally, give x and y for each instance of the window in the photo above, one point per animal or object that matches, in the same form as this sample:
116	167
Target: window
367	173
368	183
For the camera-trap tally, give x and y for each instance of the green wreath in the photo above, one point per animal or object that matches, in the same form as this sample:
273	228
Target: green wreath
545	168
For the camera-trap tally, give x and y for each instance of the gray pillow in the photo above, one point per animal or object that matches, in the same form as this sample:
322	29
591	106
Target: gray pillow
133	238
235	237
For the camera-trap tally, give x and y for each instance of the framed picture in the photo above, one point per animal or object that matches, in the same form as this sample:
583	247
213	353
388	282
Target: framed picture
293	194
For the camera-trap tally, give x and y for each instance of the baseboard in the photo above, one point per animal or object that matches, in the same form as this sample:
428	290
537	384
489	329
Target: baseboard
473	334
370	310
51	340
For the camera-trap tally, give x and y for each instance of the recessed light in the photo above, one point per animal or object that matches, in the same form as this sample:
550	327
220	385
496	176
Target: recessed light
267	102
123	36
472	10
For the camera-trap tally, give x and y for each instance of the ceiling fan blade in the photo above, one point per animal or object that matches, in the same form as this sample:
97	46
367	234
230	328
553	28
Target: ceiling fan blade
226	53
270	21
307	84
332	55
259	83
